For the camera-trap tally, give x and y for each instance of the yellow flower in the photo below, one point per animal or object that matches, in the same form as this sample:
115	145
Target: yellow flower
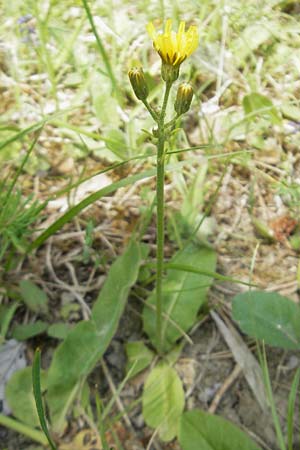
174	48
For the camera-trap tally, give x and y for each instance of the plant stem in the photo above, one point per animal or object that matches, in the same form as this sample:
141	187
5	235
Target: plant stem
160	178
153	113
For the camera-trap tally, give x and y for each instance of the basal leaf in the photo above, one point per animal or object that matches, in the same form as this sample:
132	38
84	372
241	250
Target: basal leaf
163	401
27	331
260	105
201	430
268	316
183	295
112	298
85	344
19	395
139	356
34	297
59	330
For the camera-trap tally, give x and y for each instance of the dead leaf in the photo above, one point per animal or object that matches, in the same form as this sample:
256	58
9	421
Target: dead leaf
282	227
245	360
84	440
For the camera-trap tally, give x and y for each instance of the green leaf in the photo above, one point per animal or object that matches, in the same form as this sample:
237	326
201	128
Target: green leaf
59	330
258	104
35	299
183	295
122	275
72	361
291	112
23	332
163	401
139	356
87	341
268	316
201	430
19	395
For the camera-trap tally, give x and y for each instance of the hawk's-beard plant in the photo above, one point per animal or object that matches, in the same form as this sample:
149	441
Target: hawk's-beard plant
173	48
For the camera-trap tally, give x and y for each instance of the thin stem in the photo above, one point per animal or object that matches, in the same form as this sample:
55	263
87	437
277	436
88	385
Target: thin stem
160	177
102	51
153	113
266	376
164	106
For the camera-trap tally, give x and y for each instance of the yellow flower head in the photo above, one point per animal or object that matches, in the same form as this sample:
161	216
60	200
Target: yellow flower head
174	48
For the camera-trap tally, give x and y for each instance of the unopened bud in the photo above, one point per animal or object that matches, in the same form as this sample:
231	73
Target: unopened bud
184	98
138	83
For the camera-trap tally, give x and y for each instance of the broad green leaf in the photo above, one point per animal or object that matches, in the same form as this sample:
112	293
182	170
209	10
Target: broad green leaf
34	297
163	401
258	104
201	430
110	303
23	332
19	396
139	356
268	316
59	330
72	362
87	341
183	294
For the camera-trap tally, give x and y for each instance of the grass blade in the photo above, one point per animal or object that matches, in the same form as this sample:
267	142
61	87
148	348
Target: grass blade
291	409
71	213
101	48
20	134
217	276
36	380
18	172
266	375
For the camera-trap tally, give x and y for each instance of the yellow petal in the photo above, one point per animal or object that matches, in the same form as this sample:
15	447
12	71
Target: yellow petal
168	27
151	30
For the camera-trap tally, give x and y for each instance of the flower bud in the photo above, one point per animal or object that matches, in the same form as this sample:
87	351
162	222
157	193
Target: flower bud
184	98
138	83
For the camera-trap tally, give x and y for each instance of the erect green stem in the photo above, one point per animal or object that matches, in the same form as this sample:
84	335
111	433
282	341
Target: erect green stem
160	176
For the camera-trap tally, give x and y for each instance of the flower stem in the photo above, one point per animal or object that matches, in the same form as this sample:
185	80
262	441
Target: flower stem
160	178
153	113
